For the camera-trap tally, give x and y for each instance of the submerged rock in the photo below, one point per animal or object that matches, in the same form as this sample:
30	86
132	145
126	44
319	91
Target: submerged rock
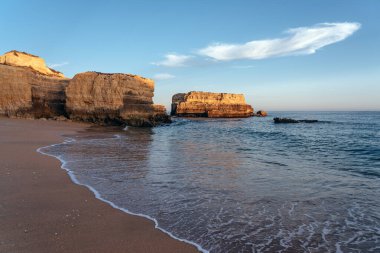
308	121
212	105
288	120
285	120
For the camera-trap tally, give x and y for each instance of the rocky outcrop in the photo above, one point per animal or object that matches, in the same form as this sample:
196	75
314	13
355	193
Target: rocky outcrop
15	91
22	59
48	96
261	113
113	99
212	105
289	120
30	89
27	92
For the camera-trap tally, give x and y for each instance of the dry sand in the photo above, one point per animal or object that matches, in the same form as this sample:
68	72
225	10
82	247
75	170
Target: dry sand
41	210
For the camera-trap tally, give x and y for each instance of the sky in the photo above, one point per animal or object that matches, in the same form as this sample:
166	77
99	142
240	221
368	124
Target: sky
282	55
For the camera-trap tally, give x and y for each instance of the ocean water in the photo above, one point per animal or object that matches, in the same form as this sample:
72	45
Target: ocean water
242	185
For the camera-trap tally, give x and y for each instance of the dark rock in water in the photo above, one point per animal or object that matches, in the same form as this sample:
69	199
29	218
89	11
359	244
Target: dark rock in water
308	121
285	120
288	120
261	113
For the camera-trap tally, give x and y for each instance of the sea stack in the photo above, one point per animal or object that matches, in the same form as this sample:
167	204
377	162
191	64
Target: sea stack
29	89
212	105
113	99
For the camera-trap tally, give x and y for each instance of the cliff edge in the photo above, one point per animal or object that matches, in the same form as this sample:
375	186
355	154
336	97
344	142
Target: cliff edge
29	89
22	59
113	99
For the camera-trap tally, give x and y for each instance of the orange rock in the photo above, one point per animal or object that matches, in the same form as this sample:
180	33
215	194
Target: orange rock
113	99
208	104
261	113
22	59
30	89
26	93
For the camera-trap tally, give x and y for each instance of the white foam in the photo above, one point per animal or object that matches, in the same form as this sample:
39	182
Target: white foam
117	136
98	195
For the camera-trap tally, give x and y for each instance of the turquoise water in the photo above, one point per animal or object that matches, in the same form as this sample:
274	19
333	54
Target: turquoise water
243	185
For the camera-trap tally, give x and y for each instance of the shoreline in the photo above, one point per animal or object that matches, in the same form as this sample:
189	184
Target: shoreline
98	196
46	210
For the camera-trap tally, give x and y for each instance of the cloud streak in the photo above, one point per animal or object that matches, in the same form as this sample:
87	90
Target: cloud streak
163	76
174	60
55	65
299	41
242	67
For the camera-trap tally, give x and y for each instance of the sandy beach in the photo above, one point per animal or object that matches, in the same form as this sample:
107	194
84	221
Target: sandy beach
42	210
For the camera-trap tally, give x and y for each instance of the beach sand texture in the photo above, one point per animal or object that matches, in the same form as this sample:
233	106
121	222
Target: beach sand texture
42	210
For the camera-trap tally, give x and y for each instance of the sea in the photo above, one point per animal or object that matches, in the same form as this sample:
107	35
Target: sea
241	185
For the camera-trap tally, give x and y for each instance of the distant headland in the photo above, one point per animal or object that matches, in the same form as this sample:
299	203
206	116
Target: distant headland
212	105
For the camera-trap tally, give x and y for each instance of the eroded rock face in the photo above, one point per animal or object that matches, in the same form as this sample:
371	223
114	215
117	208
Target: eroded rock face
27	93
113	99
30	89
212	105
22	59
48	96
15	91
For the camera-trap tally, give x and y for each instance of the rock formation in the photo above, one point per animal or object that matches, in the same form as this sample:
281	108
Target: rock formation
113	99
22	59
30	89
26	91
289	120
212	105
261	113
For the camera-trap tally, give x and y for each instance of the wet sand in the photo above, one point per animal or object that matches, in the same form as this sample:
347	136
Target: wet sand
42	210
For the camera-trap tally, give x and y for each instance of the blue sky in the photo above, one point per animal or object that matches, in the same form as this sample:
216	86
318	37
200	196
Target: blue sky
283	55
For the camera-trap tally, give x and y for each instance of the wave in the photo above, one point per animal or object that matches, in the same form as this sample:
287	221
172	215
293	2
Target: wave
237	186
99	196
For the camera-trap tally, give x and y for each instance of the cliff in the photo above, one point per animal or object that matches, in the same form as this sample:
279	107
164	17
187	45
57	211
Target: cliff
113	99
208	104
22	59
29	89
25	91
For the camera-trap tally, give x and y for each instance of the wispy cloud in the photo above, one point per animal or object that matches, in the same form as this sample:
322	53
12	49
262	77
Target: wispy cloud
299	41
174	60
242	66
163	76
55	65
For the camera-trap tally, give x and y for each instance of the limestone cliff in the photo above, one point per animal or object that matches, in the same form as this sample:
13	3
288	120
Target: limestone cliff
30	89
26	92
22	59
208	104
113	99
